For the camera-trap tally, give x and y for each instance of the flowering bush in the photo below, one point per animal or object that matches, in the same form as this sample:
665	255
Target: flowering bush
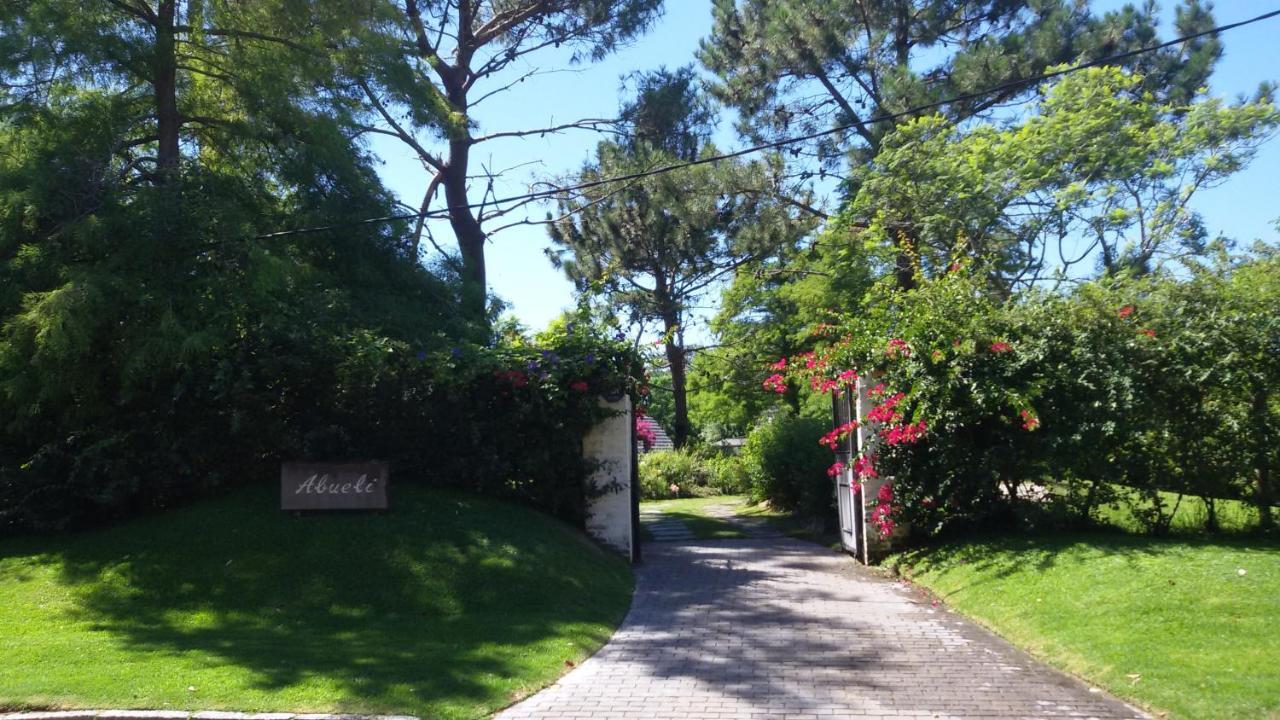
1102	387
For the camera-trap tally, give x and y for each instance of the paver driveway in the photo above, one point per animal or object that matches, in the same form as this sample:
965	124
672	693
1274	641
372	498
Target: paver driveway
779	628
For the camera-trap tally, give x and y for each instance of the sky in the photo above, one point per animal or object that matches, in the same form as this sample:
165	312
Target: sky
1243	208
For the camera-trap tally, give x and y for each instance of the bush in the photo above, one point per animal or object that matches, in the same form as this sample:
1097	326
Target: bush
728	474
682	469
1159	384
505	420
785	465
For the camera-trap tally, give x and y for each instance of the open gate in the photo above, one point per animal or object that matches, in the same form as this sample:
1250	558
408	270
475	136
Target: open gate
849	500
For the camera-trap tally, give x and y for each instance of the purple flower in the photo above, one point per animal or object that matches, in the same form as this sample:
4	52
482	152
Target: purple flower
456	352
421	355
532	365
590	358
619	336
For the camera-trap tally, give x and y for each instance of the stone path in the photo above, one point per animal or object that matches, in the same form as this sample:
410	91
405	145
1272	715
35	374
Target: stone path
663	527
780	628
754	527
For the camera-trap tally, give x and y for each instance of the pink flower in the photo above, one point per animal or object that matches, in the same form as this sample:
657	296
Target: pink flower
775	383
1029	420
579	386
864	467
822	385
833	438
645	433
835	469
1125	311
885	412
903	434
780	365
1148	332
1000	347
848	376
898	347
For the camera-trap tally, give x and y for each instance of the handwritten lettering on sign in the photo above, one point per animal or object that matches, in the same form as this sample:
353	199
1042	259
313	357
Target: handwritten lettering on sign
333	486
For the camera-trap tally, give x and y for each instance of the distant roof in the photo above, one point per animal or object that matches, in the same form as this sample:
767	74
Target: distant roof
661	441
730	442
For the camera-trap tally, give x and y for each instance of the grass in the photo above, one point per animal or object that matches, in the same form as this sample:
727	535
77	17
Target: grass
1169	624
449	606
1233	515
692	512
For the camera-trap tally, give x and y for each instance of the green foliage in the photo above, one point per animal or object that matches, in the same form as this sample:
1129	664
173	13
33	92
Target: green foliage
1102	171
787	467
654	246
800	66
158	340
728	474
1158	384
682	469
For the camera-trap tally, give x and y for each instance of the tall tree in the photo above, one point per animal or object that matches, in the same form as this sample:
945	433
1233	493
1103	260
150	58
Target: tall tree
440	59
151	342
655	246
799	66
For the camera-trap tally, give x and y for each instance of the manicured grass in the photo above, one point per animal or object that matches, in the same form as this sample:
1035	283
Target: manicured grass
448	606
1169	624
692	512
1233	515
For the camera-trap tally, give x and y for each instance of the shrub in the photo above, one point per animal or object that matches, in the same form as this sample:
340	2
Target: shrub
1157	384
728	474
681	469
505	420
785	465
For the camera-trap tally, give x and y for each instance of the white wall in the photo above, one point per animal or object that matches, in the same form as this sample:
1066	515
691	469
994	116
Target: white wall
609	516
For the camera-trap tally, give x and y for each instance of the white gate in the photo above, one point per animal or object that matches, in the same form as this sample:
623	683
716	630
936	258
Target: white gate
849	502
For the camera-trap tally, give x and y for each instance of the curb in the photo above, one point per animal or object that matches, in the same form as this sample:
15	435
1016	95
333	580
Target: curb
181	715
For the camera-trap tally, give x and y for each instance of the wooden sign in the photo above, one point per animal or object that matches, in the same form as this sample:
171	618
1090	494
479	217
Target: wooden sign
333	486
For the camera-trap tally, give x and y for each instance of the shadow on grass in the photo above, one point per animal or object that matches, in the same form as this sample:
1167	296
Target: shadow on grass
705	527
443	606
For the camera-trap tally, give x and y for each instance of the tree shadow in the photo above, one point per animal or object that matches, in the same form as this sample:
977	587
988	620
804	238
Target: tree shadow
446	606
779	626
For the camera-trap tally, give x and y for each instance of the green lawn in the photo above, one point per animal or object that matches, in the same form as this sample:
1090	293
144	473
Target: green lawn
1233	515
449	606
692	512
1169	624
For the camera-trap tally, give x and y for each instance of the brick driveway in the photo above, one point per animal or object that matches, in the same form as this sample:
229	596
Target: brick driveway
778	628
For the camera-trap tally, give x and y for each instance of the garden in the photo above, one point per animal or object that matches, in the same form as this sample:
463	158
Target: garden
237	235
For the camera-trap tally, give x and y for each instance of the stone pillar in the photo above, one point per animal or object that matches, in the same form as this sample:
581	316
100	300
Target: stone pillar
609	513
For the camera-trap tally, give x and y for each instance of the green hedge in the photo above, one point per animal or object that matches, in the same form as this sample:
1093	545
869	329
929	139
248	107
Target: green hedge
785	465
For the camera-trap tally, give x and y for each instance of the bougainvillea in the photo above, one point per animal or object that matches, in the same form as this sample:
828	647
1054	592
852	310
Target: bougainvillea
644	432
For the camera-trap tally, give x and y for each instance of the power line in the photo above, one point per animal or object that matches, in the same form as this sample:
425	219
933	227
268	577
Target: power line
662	169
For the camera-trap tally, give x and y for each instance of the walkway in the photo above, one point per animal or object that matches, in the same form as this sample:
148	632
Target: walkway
780	628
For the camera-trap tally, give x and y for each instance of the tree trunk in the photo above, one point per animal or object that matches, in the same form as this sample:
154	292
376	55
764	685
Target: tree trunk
165	86
1264	494
679	391
905	261
675	358
466	228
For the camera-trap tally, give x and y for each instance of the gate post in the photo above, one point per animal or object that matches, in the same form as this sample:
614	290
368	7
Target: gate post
610	444
868	438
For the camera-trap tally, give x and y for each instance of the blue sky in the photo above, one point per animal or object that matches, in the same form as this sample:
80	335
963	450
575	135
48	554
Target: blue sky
1244	207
